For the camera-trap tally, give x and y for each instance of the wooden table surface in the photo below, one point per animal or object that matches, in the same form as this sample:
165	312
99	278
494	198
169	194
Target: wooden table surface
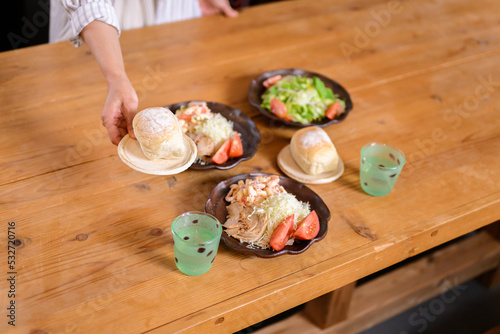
94	249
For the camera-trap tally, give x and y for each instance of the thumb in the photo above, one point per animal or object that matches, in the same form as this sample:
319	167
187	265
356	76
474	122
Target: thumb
129	110
130	127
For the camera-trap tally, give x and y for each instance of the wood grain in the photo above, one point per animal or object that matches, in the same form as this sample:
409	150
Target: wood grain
95	243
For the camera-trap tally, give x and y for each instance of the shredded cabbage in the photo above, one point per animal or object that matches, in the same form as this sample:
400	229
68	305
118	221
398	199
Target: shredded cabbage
278	207
217	127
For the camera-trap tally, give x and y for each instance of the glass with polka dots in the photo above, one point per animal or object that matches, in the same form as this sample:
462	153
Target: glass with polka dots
196	240
380	167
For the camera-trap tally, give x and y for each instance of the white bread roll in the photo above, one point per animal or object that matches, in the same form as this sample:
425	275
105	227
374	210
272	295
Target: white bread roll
313	151
159	134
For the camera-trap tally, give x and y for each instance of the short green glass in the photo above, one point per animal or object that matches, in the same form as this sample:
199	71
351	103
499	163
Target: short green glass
196	240
380	167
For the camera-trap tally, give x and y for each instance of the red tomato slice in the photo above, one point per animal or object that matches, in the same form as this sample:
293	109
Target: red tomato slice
269	82
222	153
184	117
278	108
332	110
236	149
308	228
281	234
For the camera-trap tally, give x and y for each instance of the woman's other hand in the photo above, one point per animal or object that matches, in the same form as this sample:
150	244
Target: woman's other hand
211	7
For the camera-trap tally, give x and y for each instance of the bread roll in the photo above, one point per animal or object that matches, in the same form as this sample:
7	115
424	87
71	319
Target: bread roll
313	151
159	134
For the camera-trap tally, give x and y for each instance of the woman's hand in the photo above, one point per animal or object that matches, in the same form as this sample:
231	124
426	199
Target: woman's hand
119	109
210	7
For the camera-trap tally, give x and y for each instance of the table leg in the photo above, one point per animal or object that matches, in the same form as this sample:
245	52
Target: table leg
330	308
492	278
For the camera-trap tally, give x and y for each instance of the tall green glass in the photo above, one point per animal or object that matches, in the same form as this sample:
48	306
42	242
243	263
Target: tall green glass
380	167
196	240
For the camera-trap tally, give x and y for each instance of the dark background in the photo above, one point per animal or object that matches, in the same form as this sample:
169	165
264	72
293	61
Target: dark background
24	23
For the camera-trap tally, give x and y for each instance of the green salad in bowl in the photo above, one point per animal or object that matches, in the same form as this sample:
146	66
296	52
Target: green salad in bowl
301	99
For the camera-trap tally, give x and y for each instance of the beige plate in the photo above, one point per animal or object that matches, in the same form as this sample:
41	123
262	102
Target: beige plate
291	169
131	154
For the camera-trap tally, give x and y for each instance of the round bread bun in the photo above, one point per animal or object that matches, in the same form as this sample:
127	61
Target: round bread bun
313	151
159	134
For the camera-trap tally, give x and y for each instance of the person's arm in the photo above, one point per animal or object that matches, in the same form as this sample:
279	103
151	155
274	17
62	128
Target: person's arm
95	23
121	103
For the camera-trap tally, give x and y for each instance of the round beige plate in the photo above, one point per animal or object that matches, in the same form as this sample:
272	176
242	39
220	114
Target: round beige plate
131	154
291	169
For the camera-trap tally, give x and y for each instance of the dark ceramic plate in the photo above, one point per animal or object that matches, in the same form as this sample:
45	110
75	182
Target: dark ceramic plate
255	91
249	134
216	205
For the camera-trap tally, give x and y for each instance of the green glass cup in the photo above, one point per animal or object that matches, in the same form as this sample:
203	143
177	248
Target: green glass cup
196	240
380	167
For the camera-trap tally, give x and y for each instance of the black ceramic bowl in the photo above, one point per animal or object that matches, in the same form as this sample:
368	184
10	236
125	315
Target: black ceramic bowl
256	89
249	134
216	205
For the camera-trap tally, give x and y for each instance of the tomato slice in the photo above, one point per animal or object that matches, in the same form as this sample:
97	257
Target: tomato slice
308	228
333	110
269	82
278	108
236	149
184	117
222	153
282	233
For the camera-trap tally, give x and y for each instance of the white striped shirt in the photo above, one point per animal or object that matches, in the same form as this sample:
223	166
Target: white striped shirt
79	14
69	17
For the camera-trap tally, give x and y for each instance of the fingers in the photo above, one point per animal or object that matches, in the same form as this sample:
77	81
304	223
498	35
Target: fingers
118	124
115	133
123	132
115	122
119	111
211	7
228	10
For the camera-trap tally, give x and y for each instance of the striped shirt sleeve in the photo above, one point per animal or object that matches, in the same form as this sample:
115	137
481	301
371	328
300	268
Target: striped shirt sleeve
82	12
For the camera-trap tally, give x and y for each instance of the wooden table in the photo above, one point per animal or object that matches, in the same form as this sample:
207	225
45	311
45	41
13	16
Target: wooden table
93	243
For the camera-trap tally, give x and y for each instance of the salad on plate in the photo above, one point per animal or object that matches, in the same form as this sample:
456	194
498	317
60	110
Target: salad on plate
264	215
300	99
216	140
